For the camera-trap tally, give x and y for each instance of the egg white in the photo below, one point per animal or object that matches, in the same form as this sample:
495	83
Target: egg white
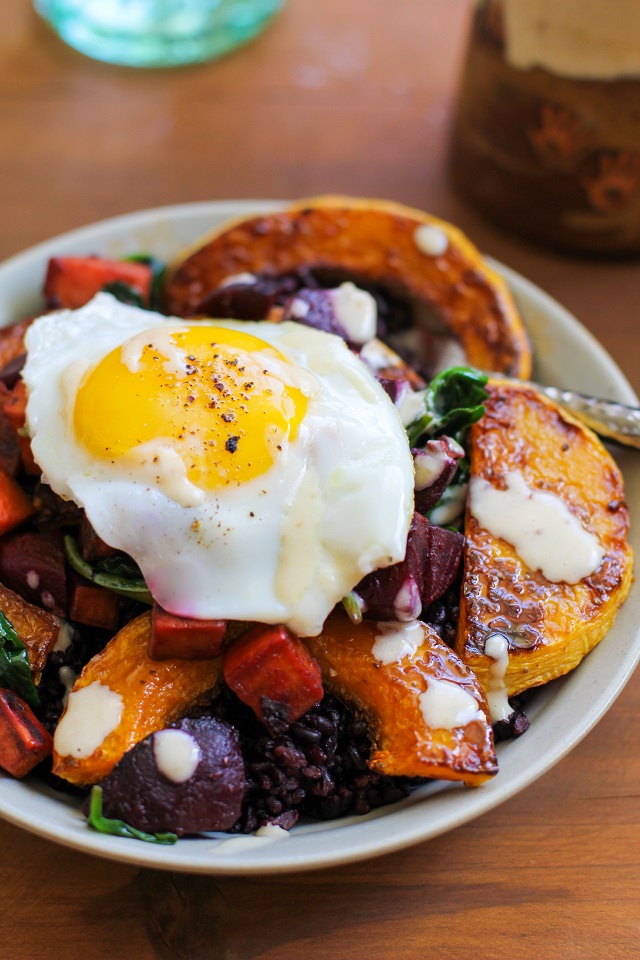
283	547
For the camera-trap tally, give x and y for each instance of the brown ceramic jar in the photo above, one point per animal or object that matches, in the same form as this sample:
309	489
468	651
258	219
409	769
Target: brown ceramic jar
546	138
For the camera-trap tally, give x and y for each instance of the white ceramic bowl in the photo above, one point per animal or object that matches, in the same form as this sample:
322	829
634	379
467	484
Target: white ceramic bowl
560	715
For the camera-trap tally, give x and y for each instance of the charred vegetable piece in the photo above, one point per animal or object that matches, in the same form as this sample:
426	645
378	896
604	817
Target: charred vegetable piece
10	373
12	345
15	410
24	742
378	244
10	457
270	666
184	638
549	625
92	605
147	789
33	565
395	699
153	693
118	828
73	281
36	629
435	467
401	591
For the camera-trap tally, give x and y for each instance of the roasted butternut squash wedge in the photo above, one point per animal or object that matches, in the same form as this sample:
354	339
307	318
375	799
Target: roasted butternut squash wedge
401	700
409	253
525	446
36	628
152	693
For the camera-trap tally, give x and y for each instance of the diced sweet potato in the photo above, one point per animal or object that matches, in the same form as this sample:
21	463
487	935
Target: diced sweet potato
15	505
24	742
36	628
269	662
154	694
73	281
184	638
33	565
92	605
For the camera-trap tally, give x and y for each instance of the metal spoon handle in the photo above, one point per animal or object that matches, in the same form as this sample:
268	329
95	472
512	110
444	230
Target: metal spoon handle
608	419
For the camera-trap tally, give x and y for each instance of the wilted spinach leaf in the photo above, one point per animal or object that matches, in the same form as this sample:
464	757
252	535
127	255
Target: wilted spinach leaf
15	672
453	401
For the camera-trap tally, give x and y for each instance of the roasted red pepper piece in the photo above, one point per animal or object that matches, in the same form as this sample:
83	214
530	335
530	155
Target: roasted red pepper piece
24	742
73	281
92	605
269	663
183	638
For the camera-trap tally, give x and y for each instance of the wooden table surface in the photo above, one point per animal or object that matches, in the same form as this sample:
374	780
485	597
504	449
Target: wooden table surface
350	97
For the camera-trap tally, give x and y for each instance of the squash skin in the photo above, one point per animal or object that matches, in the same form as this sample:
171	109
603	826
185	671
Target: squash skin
387	696
154	692
372	240
550	626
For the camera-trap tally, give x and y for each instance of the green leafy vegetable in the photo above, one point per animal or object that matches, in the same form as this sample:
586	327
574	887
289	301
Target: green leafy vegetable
118	828
119	575
124	292
453	401
158	270
15	672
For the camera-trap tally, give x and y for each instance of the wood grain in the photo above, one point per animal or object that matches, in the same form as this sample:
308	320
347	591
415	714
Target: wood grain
343	97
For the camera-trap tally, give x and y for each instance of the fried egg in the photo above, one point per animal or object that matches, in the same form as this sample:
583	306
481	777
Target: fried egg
254	471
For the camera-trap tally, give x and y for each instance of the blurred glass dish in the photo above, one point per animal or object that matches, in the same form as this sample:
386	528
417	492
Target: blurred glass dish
157	33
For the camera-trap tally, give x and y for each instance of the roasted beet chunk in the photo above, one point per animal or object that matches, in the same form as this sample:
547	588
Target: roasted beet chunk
435	467
315	308
147	790
33	565
401	591
247	297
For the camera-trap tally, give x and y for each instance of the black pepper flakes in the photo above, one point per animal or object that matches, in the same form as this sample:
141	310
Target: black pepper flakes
232	444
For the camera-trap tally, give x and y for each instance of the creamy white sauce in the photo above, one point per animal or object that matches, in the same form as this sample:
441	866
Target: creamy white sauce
397	640
159	465
92	714
263	835
64	638
446	705
356	311
411	406
299	308
161	341
67	678
539	526
238	279
33	580
378	355
496	647
429	466
177	754
451	506
431	240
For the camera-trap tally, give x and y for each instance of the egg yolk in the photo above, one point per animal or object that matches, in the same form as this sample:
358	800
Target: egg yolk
225	401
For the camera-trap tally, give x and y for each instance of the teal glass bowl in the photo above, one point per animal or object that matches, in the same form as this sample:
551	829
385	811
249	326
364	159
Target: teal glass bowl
157	33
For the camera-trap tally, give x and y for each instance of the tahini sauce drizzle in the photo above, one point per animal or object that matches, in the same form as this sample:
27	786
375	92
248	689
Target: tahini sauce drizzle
93	712
540	527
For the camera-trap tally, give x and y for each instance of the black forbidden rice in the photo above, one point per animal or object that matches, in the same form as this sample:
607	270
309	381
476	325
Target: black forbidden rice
316	769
